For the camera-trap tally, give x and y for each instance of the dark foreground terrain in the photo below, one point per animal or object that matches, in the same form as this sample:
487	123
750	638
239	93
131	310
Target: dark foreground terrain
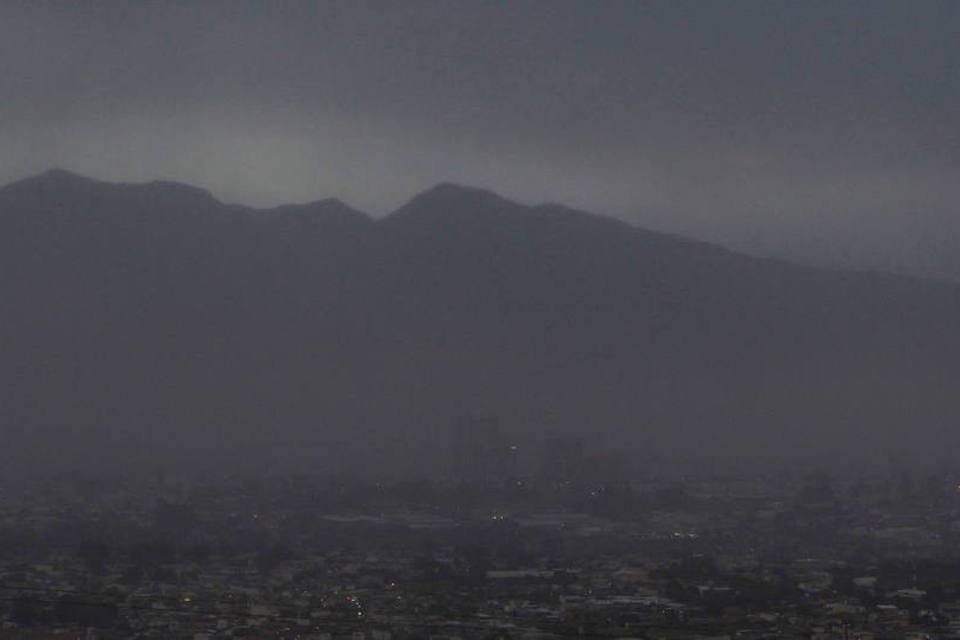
309	557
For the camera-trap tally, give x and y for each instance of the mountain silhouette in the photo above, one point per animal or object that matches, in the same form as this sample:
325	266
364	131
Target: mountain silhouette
150	325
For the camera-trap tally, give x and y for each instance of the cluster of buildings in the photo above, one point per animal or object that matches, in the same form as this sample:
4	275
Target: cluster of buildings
318	558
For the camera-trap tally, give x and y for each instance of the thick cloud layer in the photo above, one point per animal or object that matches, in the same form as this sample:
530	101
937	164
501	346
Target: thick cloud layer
825	131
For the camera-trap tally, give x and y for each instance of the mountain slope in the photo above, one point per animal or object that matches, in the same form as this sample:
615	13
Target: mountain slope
152	324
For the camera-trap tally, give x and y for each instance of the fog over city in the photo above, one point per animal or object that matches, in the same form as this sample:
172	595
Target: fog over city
480	320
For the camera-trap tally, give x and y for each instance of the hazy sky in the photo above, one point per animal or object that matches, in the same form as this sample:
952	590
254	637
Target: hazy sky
825	129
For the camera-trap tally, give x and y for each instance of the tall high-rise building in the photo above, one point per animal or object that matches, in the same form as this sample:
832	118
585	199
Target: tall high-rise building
484	458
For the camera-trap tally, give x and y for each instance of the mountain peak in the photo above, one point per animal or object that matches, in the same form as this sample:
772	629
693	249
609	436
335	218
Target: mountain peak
178	191
51	180
449	193
62	185
454	189
449	201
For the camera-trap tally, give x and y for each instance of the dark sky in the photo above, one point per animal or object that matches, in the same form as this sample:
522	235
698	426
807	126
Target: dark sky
825	130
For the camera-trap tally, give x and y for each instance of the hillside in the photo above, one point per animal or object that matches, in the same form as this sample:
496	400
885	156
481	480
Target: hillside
150	324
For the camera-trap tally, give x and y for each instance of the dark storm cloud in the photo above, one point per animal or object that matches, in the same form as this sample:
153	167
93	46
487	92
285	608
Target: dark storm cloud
830	124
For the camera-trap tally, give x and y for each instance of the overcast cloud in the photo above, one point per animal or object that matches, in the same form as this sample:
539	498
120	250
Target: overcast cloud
818	130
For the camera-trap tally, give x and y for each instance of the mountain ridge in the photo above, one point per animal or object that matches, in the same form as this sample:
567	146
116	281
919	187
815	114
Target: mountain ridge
442	193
